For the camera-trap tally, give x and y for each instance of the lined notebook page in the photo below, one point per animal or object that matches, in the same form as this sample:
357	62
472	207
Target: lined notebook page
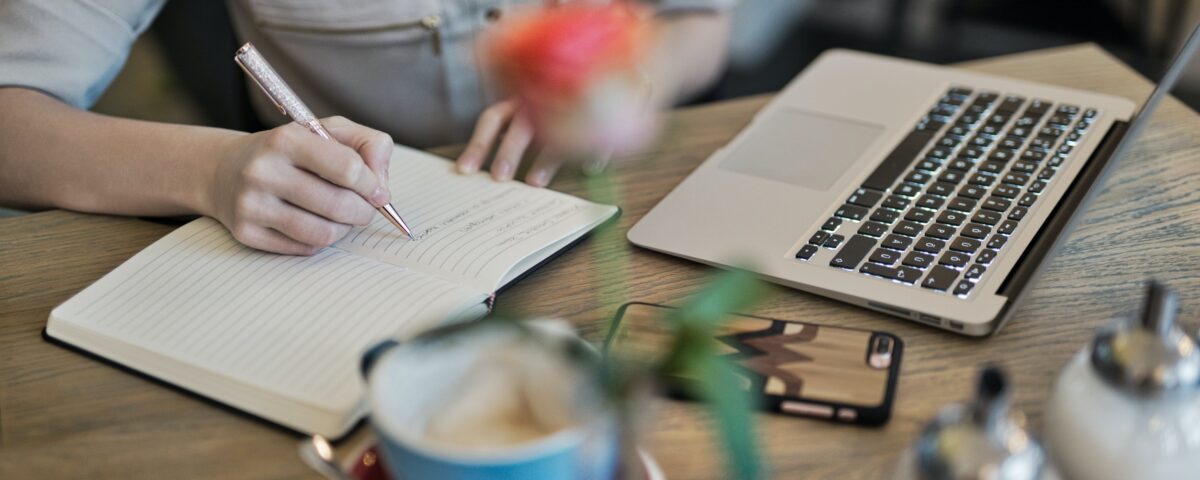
294	326
470	228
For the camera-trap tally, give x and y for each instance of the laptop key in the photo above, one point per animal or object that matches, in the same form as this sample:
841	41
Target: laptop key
987	217
1018	213
973	192
963	287
987	98
1011	104
917	177
1033	155
929	245
1027	199
806	252
962	204
832	224
940	278
1024	167
986	256
853	252
1007	228
960	92
919	215
1037	186
952	218
975	271
982	180
906	190
903	274
1012	142
918	260
1038	106
885	257
965	245
883	215
898	160
928	166
931	125
992	166
865	198
960	164
1006	191
908	228
1042	143
996	203
939	231
931	202
1002	155
942	189
834	241
851	212
873	229
897	242
1016	178
997	242
973	153
954	259
977	231
818	238
896	202
953	177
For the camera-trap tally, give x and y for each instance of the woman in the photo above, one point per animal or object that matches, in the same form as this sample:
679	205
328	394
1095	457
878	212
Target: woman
407	67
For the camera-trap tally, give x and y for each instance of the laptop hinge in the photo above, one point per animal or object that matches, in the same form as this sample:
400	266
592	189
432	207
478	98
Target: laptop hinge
1059	224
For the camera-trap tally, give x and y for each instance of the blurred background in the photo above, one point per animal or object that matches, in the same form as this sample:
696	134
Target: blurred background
773	41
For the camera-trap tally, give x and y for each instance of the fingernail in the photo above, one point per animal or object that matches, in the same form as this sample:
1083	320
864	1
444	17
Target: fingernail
379	197
539	178
469	167
503	171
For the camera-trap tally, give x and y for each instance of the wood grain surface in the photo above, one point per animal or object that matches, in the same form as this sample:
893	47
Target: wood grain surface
65	414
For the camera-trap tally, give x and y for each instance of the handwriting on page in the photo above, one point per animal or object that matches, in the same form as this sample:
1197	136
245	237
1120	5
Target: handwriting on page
466	225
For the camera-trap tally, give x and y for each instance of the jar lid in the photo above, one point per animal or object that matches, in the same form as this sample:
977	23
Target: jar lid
1151	354
983	439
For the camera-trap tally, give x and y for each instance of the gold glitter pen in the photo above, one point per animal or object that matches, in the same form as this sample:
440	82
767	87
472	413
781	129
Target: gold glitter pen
289	104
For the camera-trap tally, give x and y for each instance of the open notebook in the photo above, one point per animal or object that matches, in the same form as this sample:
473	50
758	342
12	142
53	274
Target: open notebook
281	336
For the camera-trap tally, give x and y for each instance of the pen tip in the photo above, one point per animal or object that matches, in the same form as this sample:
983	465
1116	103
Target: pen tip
389	212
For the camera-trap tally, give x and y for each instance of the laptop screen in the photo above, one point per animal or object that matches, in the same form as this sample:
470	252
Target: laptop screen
1179	66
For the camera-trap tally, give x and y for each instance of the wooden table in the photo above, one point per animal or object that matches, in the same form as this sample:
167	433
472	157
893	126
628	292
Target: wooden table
63	414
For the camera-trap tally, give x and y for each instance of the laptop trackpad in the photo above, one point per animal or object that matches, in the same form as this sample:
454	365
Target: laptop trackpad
802	148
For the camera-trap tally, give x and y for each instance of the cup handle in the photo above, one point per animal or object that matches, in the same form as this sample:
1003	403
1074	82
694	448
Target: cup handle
372	355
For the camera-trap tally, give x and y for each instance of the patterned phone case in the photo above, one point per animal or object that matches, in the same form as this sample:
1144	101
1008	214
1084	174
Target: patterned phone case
835	373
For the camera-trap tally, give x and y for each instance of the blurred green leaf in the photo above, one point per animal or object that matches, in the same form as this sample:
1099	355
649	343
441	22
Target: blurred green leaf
714	379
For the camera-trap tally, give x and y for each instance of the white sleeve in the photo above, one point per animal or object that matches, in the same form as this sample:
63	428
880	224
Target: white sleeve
70	49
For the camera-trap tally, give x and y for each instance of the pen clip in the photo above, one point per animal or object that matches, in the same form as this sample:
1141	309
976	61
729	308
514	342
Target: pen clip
238	60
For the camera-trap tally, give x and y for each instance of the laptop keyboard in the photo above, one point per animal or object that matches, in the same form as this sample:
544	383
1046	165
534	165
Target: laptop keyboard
942	205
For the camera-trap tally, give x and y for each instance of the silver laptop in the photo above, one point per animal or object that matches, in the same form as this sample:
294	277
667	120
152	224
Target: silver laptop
928	193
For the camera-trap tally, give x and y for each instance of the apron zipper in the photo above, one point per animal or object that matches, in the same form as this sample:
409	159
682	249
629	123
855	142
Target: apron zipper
431	23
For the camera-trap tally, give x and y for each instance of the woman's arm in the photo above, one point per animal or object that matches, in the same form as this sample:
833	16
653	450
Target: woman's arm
283	190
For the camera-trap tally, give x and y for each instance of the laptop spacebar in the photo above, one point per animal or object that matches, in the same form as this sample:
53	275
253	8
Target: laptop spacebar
896	162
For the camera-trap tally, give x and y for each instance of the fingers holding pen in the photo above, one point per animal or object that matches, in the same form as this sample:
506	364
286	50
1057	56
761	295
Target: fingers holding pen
336	163
375	147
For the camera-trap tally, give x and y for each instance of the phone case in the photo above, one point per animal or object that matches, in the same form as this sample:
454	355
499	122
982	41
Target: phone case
835	373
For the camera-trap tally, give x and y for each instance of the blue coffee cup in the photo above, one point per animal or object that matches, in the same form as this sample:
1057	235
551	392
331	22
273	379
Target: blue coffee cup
414	386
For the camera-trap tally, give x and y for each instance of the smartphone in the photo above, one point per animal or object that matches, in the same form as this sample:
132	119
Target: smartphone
840	374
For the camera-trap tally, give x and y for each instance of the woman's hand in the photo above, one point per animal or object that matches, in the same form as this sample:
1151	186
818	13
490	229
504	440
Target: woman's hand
289	191
506	119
